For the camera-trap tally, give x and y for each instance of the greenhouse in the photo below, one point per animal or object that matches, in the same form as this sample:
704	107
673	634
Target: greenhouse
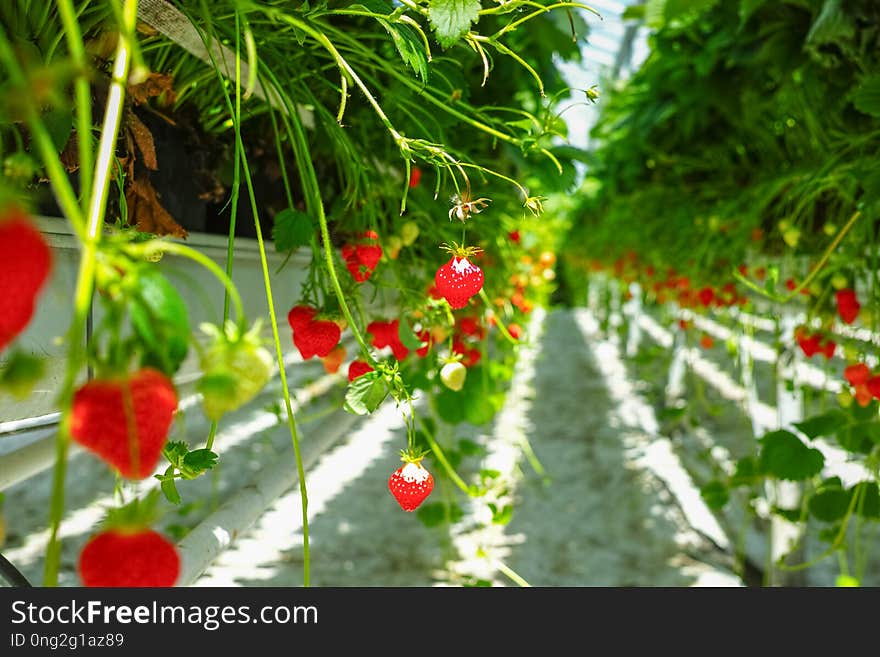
439	293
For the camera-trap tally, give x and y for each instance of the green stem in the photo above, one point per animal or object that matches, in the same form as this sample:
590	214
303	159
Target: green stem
86	281
312	190
511	574
83	93
441	457
206	262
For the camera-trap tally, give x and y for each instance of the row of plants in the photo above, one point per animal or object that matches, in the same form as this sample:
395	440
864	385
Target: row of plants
338	129
737	171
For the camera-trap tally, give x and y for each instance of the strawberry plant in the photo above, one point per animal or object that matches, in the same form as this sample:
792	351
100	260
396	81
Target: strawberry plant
360	138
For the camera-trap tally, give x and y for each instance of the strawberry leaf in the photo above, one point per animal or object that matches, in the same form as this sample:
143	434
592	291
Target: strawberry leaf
199	460
452	19
869	504
365	393
161	321
291	230
715	495
825	424
829	504
784	456
407	337
168	486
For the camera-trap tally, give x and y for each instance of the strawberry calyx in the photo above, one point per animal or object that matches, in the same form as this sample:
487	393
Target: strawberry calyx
134	517
413	455
460	250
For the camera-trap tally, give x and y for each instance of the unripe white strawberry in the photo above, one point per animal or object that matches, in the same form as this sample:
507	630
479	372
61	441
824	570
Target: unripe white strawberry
453	375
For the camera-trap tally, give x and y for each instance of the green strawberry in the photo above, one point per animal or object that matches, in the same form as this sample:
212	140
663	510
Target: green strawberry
236	367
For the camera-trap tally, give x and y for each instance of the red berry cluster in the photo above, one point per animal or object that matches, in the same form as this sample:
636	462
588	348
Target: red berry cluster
362	256
812	343
865	385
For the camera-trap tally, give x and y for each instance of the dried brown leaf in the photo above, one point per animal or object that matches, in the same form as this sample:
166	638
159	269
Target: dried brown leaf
155	85
146	213
144	140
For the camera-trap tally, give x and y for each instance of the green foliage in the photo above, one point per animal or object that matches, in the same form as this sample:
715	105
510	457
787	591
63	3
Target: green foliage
291	230
784	456
452	19
161	319
366	393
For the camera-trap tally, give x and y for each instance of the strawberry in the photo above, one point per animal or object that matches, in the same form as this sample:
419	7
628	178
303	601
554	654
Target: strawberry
358	368
857	374
409	233
873	386
125	420
458	280
706	341
828	348
300	315
130	557
471	326
848	305
334	359
706	296
410	484
316	338
25	262
809	344
453	375
514	236
863	394
236	367
415	177
362	257
385	334
515	331
471	355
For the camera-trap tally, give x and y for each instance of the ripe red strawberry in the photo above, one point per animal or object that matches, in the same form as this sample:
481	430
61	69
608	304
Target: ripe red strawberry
471	355
706	296
514	236
358	368
857	374
828	349
385	334
458	280
316	338
410	484
125	421
809	344
515	331
706	341
25	261
299	316
873	386
848	305
132	557
415	176
471	326
362	257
